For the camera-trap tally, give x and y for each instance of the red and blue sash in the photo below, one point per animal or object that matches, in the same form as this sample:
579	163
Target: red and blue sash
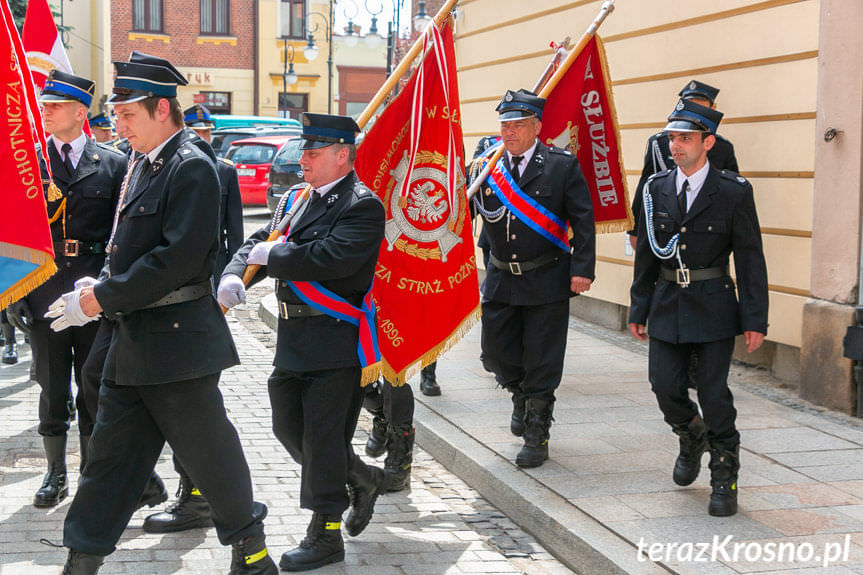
333	305
528	210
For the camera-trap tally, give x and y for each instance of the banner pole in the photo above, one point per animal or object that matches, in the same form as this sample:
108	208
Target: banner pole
362	120
604	11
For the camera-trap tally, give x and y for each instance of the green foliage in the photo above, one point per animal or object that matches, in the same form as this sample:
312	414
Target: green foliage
19	9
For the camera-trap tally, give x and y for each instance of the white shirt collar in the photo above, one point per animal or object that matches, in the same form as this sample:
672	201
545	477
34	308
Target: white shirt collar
696	181
322	191
527	155
154	153
77	147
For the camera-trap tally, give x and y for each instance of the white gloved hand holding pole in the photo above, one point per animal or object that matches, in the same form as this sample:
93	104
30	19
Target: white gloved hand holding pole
231	291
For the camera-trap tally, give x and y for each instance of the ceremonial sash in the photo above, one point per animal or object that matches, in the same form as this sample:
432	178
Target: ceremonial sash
333	305
526	209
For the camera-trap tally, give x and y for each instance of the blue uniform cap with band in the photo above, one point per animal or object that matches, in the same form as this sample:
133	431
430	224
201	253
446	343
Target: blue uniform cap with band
198	116
63	87
101	121
520	104
322	130
145	76
691	117
696	89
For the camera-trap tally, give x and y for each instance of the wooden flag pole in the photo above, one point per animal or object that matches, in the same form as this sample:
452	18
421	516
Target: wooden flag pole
604	11
362	120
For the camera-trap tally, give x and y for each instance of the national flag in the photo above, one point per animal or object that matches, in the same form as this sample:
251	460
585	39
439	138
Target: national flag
26	252
43	44
579	115
426	288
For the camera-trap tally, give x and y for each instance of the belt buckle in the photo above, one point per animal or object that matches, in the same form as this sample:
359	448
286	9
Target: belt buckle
683	277
515	268
70	247
283	310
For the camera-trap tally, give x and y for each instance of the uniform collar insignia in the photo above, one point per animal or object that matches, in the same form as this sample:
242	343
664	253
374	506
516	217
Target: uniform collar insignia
332	199
157	165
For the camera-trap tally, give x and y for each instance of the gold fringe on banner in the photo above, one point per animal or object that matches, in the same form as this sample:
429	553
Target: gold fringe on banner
31	281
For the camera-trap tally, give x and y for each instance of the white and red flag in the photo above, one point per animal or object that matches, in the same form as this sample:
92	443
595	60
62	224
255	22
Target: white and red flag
426	288
42	42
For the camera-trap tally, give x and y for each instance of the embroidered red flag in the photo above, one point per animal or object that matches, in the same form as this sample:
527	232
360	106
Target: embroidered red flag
42	41
26	253
426	288
579	115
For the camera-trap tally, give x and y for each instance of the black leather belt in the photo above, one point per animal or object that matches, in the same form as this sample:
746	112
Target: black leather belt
73	248
183	294
296	311
684	277
517	268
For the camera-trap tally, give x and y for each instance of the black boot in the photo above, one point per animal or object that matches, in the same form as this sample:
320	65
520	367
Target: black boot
10	348
82	564
724	465
154	492
365	483
378	437
400	458
428	381
516	422
83	446
537	423
190	511
250	557
54	487
322	545
693	444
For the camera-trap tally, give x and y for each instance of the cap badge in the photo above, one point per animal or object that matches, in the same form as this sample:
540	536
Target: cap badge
508	97
692	85
679	106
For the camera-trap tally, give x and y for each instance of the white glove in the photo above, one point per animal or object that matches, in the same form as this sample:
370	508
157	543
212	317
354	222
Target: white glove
66	312
85	281
261	252
231	291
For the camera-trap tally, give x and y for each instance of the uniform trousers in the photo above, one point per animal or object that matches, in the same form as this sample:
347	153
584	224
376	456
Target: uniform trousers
314	416
524	346
132	426
669	365
91	374
396	402
55	356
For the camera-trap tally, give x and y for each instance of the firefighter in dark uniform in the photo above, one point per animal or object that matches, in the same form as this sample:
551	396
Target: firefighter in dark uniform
102	128
683	292
88	177
315	389
170	340
657	157
529	279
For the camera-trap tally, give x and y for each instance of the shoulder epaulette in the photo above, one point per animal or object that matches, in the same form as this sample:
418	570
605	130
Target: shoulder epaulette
561	151
733	176
661	174
226	161
110	149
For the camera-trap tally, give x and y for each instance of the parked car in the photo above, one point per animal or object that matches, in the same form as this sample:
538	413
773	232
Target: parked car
233	121
222	139
253	157
285	172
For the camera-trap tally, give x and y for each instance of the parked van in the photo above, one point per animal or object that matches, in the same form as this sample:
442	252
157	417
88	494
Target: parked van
231	121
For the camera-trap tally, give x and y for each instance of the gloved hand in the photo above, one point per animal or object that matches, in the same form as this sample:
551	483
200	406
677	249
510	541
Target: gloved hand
20	315
231	291
261	252
66	312
85	281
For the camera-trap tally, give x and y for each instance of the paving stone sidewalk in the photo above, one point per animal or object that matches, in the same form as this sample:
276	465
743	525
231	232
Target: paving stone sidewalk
441	526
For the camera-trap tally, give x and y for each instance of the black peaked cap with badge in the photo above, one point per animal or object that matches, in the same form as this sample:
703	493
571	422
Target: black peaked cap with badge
516	105
688	116
322	130
198	116
145	76
63	87
696	89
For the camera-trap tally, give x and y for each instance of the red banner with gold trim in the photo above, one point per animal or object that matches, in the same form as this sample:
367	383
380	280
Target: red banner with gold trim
426	288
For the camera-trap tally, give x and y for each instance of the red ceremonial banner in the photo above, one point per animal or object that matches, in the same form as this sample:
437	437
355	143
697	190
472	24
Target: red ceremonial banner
45	50
579	115
26	253
426	288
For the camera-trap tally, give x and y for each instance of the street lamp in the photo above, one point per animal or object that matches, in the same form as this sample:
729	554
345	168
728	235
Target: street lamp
288	74
373	38
422	19
350	39
311	51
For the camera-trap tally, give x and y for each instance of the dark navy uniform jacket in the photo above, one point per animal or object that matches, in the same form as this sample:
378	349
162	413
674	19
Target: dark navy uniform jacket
230	214
335	242
722	220
166	238
91	195
554	179
657	158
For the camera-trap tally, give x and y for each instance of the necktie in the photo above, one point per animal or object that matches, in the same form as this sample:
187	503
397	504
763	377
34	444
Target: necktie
67	161
681	198
516	173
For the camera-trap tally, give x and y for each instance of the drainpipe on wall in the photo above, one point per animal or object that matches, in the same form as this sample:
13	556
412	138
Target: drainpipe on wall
256	91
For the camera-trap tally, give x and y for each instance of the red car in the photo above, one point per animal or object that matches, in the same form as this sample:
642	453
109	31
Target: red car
253	157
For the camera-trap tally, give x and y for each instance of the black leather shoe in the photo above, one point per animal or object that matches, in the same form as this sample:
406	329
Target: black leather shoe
154	493
378	437
10	353
250	557
538	422
693	444
516	421
724	465
428	381
82	564
191	511
322	545
55	484
365	484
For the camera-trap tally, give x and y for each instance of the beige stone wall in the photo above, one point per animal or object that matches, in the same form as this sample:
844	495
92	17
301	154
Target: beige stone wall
763	54
237	82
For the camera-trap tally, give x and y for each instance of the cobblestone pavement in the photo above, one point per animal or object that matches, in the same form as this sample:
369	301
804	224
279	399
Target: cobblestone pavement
440	526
